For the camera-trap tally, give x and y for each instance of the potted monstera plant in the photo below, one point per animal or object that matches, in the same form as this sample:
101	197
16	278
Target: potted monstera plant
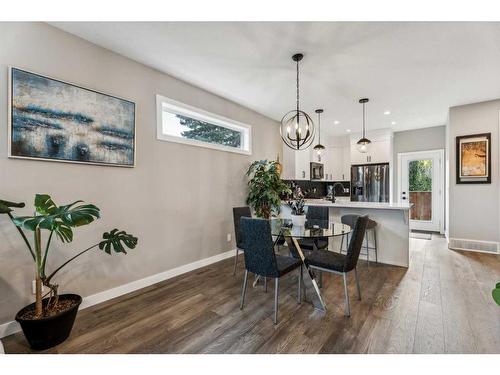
49	320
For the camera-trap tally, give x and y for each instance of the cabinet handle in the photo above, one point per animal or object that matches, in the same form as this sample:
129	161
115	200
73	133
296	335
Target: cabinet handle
303	174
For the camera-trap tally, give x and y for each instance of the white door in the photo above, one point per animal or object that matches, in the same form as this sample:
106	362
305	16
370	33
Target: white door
421	183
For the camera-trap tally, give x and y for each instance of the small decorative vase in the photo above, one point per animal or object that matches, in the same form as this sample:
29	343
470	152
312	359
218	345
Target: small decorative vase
299	220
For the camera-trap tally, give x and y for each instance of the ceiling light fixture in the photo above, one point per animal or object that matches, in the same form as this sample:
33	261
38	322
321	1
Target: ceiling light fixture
319	148
348	130
393	123
336	122
364	143
297	127
387	112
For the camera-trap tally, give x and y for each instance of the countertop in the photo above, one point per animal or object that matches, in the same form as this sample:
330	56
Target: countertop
349	204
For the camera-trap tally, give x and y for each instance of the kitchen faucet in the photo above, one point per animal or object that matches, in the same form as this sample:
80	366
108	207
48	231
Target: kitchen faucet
333	190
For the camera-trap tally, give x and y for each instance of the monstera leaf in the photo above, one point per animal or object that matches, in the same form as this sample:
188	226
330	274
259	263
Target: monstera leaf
72	215
44	205
496	294
59	219
115	240
5	206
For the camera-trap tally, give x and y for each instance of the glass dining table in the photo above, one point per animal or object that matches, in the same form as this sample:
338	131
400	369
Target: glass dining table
310	232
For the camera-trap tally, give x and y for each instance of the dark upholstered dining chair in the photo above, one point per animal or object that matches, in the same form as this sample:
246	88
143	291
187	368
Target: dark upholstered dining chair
320	215
238	213
330	261
261	260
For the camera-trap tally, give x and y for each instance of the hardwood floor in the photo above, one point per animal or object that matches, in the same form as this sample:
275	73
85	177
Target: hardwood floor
441	304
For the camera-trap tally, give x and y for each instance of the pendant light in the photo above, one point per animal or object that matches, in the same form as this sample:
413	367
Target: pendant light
319	148
297	127
363	144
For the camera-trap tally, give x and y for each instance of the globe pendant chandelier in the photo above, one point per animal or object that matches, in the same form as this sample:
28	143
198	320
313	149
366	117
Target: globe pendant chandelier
297	127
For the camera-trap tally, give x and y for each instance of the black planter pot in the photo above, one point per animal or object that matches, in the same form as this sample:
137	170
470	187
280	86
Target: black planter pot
47	332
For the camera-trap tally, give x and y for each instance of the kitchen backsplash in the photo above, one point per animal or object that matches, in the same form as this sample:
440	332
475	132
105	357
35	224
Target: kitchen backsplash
319	189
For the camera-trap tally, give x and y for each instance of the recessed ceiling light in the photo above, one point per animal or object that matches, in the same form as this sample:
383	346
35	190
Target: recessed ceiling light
387	112
393	122
336	122
348	130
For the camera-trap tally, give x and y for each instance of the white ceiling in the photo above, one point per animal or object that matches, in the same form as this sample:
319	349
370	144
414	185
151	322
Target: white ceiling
417	70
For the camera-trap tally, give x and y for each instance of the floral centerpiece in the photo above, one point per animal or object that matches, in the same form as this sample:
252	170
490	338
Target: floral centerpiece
297	206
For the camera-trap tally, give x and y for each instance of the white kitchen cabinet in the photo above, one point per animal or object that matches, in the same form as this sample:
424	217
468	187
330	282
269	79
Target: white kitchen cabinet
379	151
333	163
303	164
296	164
336	160
346	163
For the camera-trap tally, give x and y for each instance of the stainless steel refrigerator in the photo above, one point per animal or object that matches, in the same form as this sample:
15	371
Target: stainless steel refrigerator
370	183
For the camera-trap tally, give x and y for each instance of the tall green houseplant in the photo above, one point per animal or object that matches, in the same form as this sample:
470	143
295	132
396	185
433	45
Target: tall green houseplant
266	188
59	220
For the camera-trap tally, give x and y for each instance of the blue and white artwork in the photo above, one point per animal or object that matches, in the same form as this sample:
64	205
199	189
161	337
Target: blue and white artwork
55	120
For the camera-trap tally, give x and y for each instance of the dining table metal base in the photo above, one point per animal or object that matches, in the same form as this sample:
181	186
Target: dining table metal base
309	277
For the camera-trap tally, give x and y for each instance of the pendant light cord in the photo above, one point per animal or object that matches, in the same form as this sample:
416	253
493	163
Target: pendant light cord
297	87
363	120
319	127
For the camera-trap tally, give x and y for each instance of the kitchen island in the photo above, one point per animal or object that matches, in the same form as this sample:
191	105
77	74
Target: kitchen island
393	231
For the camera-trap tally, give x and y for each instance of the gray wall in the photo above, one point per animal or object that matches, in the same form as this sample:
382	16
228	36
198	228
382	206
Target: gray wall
473	209
177	199
416	140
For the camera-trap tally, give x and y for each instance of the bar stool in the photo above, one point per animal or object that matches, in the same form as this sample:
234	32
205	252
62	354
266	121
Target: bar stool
370	228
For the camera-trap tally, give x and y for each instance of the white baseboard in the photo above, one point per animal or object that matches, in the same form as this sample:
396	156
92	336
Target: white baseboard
9	328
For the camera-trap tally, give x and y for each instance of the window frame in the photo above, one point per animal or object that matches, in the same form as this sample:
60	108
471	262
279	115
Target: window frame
179	108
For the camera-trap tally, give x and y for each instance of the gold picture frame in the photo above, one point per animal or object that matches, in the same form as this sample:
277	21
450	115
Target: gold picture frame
473	159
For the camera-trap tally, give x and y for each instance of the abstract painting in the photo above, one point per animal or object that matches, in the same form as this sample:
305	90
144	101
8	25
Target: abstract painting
473	159
55	120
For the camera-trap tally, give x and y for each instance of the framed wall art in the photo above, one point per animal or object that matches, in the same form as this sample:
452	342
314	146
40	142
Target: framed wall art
474	159
58	121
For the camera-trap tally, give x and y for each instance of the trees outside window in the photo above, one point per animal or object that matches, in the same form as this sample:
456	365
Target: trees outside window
206	132
420	175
